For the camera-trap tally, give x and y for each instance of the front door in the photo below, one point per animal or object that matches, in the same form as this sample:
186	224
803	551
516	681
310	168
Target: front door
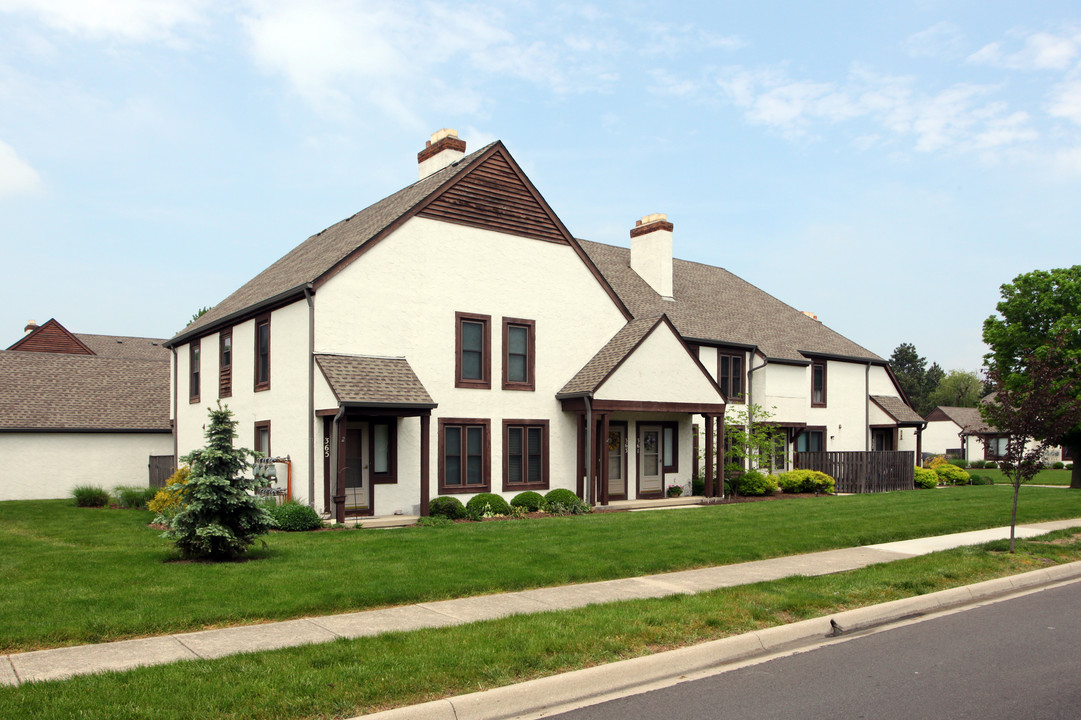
356	470
650	474
617	461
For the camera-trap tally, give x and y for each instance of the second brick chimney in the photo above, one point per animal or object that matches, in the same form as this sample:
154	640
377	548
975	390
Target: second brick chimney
442	150
651	252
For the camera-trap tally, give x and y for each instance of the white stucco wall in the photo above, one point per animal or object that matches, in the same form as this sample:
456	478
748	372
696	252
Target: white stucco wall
37	466
659	370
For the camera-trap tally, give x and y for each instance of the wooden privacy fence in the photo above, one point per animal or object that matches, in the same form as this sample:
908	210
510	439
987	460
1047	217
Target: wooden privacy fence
863	471
161	467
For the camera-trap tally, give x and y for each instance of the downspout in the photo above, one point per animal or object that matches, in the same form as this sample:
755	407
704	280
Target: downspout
176	416
866	425
334	459
750	403
311	395
587	486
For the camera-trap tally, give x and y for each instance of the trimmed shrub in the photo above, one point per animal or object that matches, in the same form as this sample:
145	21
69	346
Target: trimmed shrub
801	481
935	463
529	501
293	516
90	496
753	483
562	501
981	480
952	475
926	479
958	462
168	501
1058	466
447	507
698	486
486	504
990	464
977	464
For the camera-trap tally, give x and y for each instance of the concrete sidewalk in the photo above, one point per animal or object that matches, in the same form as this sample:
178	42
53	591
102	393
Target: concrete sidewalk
62	663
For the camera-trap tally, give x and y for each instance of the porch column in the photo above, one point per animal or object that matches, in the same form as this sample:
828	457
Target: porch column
425	460
919	446
581	466
339	483
709	455
720	455
603	435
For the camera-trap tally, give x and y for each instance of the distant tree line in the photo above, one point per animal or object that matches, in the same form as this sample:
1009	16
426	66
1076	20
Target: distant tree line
929	387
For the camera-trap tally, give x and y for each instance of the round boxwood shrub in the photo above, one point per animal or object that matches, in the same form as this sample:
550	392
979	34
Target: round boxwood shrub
1058	466
926	479
959	462
803	481
981	480
529	501
753	483
486	504
990	464
450	508
562	500
293	516
90	496
952	474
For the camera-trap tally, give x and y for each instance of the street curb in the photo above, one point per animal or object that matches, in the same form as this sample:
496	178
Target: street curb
561	693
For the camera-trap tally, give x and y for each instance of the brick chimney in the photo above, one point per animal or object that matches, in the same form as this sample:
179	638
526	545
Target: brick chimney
443	149
651	252
31	326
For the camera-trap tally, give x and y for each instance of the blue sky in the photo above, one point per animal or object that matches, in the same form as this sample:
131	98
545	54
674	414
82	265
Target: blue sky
885	165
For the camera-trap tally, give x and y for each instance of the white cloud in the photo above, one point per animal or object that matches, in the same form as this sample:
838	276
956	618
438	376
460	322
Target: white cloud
1065	101
16	175
940	40
130	20
1041	51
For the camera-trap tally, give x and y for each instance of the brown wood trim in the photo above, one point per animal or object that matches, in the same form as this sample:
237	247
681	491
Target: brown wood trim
328	423
425	462
638	426
710	455
674	425
525	425
390	477
225	368
261	425
486	462
695	444
741	355
643	406
329	412
581	459
52	337
260	321
816	363
623	452
485	382
341	430
530	383
195	373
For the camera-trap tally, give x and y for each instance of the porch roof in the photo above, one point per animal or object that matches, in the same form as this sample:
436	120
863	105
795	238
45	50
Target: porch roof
896	408
373	381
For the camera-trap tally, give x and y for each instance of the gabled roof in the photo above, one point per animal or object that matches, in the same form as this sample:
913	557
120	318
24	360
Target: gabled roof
51	337
968	419
896	408
370	381
711	304
509	204
58	392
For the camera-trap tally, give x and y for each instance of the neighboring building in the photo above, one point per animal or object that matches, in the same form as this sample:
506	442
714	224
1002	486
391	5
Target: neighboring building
461	307
962	433
79	409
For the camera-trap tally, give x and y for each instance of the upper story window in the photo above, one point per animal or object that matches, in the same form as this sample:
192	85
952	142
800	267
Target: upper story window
225	363
262	352
519	356
193	372
730	373
818	383
463	456
473	351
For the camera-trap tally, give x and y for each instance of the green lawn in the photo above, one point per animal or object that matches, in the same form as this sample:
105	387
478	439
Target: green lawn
1043	477
76	575
347	678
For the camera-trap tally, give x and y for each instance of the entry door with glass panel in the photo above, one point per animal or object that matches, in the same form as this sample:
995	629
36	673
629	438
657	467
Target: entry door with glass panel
650	477
617	466
356	472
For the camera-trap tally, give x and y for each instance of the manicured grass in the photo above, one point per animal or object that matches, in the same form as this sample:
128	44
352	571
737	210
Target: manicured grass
347	678
75	575
1043	477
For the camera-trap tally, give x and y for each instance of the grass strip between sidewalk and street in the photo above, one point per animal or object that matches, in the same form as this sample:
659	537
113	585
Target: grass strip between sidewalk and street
78	575
350	677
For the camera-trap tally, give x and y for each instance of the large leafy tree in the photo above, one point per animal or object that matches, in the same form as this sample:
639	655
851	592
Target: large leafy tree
960	388
1037	309
911	372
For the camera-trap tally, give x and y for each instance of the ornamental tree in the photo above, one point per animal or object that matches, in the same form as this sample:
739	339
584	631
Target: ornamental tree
1037	309
221	515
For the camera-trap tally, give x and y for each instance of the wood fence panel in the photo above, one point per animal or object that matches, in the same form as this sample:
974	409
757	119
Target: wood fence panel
859	471
161	467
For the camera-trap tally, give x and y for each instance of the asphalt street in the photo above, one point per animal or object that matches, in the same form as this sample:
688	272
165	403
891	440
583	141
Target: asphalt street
1018	658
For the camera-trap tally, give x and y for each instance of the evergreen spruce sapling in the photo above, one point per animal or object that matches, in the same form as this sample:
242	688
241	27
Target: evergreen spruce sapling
221	516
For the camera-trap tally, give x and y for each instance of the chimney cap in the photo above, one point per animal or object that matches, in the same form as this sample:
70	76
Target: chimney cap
30	325
651	223
652	218
440	134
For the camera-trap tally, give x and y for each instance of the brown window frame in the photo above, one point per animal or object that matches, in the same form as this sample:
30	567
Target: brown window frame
225	368
726	382
529	384
806	433
390	477
485	381
194	371
486	459
674	427
814	365
259	425
260	321
525	425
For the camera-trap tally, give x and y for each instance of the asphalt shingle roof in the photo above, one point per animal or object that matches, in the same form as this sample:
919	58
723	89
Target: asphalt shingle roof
710	303
608	357
968	419
897	409
375	381
124	346
56	391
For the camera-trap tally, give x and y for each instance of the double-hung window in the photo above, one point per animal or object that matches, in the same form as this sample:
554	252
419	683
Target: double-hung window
262	437
730	373
525	454
262	352
463	455
473	351
193	372
519	357
818	383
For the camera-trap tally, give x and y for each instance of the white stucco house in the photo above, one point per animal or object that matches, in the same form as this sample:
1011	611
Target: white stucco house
80	409
455	338
962	433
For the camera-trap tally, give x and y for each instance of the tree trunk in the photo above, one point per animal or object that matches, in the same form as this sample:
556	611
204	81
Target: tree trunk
1075	474
1013	515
